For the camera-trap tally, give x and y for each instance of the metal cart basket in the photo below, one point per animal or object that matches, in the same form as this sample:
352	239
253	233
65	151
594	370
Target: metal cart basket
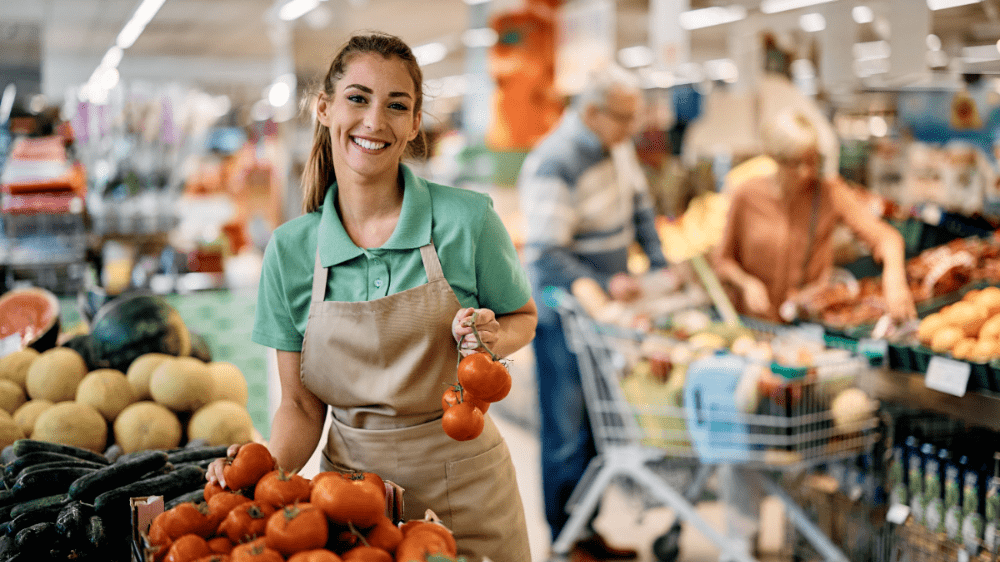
701	428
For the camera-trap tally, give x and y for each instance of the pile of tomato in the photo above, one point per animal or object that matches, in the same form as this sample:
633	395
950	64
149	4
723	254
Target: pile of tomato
269	515
482	380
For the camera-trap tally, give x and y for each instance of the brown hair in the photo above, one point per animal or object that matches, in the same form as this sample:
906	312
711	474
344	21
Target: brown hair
319	174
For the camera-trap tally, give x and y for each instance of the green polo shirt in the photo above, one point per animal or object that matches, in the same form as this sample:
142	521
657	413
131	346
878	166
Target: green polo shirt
475	249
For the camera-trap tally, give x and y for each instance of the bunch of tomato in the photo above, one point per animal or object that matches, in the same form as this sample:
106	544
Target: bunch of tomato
275	516
482	379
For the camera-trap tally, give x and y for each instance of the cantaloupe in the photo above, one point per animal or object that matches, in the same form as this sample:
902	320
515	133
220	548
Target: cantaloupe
28	413
55	374
14	366
9	431
72	423
147	425
11	396
182	384
107	390
141	370
222	422
230	384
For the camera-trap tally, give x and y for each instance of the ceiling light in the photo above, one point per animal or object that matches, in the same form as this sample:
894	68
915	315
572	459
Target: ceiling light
775	6
133	28
112	57
634	57
862	14
294	9
708	17
811	23
944	4
430	53
481	37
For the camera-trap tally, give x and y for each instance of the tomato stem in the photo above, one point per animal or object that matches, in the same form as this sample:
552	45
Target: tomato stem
479	340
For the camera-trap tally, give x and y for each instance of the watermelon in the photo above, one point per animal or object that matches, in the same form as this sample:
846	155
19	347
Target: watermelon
31	314
199	348
134	324
83	345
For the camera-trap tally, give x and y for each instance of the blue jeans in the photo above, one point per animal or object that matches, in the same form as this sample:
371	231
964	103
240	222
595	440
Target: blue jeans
566	440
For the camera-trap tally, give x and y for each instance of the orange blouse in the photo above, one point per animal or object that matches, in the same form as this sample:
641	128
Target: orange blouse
769	236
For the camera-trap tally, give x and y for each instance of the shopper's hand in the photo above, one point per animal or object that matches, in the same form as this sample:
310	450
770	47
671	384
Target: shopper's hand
623	287
486	324
899	303
214	472
755	297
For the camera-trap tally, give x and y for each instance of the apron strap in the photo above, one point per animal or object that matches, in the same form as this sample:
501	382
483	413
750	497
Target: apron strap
432	265
319	280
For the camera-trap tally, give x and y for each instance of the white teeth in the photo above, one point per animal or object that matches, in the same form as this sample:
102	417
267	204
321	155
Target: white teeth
363	143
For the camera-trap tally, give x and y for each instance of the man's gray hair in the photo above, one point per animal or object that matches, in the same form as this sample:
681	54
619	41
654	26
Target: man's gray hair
601	82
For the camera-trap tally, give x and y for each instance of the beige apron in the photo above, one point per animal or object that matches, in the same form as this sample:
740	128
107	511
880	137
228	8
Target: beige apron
382	366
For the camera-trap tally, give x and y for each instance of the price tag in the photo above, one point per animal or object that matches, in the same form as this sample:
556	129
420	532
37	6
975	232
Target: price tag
947	375
897	514
10	344
873	349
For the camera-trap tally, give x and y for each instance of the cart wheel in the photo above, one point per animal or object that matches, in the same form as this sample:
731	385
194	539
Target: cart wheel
666	547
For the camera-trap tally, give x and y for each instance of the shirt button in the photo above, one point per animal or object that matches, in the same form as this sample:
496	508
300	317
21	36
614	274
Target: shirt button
378	283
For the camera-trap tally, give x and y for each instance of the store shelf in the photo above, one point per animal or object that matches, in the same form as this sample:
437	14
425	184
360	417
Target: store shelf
976	408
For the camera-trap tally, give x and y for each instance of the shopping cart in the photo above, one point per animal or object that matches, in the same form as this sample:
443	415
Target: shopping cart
702	429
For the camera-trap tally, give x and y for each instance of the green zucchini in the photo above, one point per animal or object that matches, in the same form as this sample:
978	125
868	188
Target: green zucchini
95	532
183	479
88	486
194	496
7	454
36	540
48	504
72	522
25	446
48	481
12	469
193	454
75	463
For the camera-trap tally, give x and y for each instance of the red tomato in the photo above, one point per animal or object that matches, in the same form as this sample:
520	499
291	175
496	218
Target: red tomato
185	518
485	378
367	554
250	463
456	394
418	527
301	526
279	488
246	522
188	548
221	545
350	497
255	551
222	503
318	555
463	422
385	535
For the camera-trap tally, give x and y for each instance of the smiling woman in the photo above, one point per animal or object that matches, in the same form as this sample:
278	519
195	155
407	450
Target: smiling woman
371	296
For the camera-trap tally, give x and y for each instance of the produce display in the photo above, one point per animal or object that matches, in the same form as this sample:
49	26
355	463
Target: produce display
62	502
266	513
967	330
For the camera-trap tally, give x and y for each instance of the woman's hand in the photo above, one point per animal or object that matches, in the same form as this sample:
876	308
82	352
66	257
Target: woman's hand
899	302
755	297
623	287
486	324
214	472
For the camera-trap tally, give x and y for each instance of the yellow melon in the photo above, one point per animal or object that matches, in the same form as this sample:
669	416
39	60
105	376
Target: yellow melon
230	384
107	390
222	422
11	396
141	370
182	384
28	413
147	425
14	366
55	374
72	423
9	431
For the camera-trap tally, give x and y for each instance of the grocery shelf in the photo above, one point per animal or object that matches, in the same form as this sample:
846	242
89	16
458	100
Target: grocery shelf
981	408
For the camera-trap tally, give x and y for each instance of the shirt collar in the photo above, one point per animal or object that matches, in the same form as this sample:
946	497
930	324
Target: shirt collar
582	134
412	231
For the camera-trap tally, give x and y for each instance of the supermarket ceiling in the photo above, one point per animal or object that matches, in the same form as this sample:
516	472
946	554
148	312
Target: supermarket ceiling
228	45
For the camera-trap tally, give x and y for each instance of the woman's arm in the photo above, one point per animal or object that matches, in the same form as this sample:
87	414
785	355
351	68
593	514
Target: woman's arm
503	334
887	246
298	423
728	270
